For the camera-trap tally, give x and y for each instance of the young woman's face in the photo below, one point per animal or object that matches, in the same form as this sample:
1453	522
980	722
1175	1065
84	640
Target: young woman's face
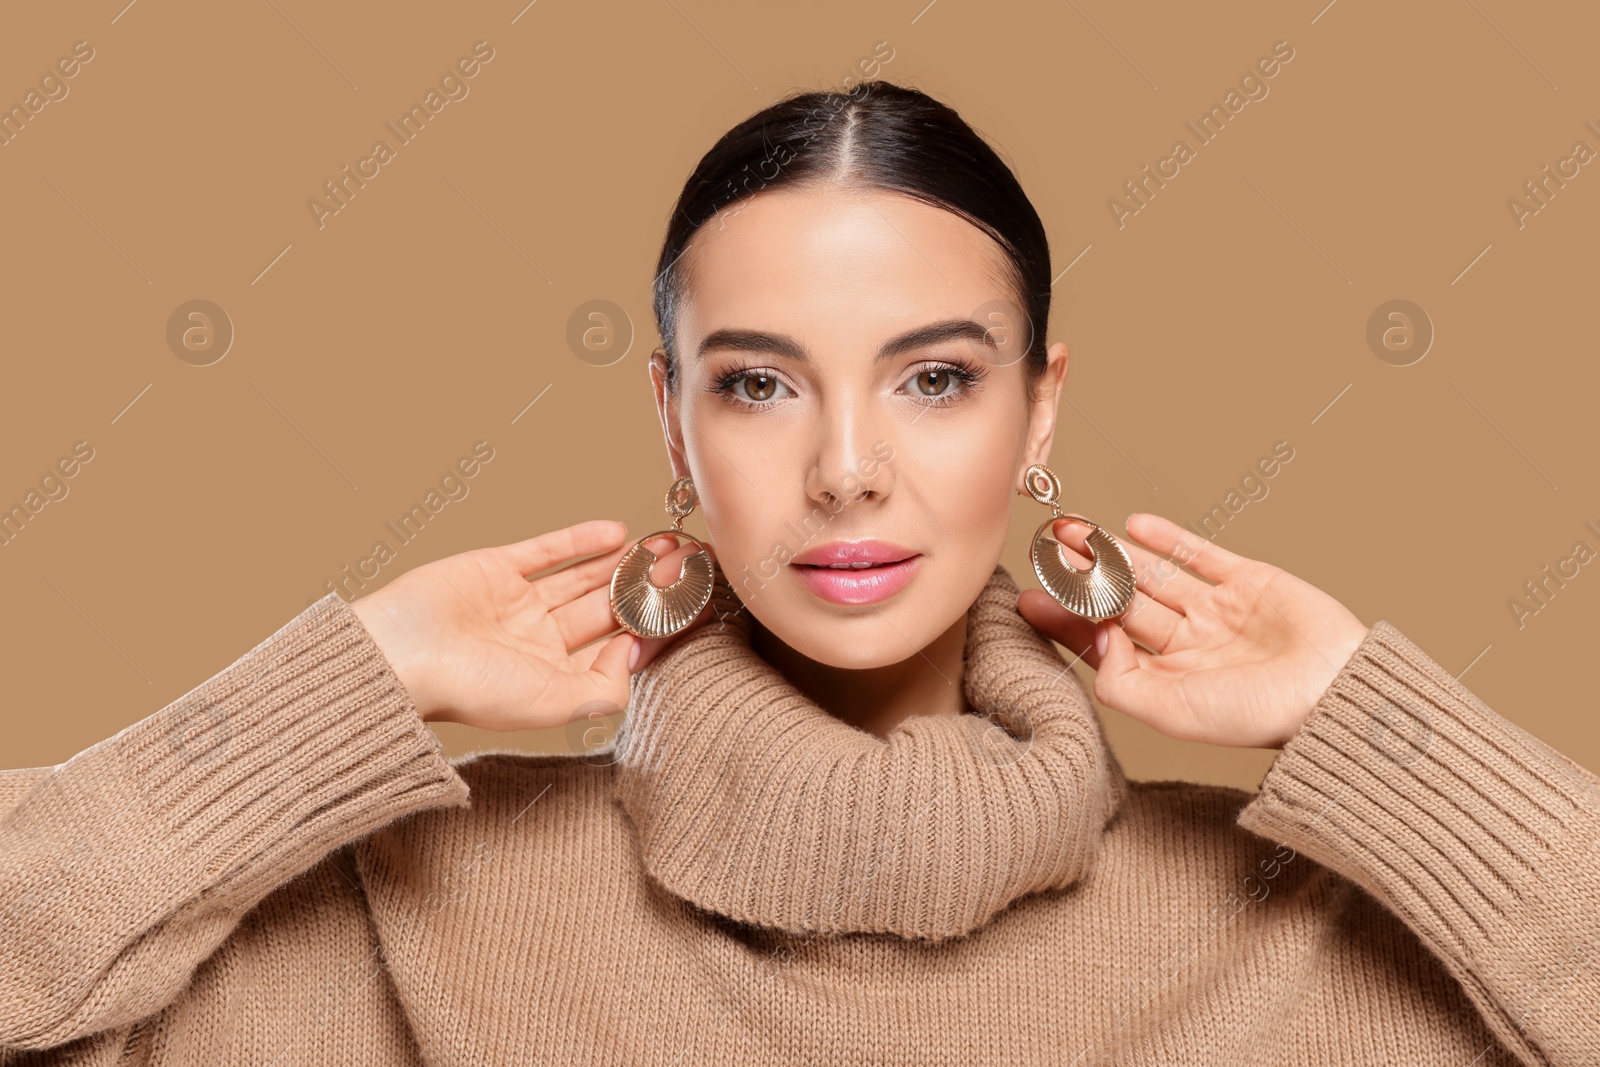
831	402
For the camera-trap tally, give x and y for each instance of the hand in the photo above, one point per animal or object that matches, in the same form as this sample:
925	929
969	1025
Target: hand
475	642
1240	662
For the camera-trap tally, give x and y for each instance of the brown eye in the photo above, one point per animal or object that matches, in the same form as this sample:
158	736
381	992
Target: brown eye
760	386
931	380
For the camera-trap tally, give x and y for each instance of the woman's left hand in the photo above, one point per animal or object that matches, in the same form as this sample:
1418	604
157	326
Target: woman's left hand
1240	662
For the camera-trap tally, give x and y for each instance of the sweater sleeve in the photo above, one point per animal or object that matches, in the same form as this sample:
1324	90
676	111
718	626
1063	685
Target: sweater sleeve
1479	836
124	868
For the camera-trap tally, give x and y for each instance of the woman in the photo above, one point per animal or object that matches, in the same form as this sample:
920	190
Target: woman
856	814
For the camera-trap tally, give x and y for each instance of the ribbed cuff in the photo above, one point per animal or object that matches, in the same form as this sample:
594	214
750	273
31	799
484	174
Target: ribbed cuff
1479	835
305	742
128	864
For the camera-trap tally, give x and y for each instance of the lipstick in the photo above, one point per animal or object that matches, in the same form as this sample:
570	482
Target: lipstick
856	572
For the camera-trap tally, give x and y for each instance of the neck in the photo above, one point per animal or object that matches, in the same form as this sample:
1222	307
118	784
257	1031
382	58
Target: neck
876	699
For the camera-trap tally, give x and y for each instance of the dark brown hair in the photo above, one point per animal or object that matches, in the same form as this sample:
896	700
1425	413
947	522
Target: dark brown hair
878	135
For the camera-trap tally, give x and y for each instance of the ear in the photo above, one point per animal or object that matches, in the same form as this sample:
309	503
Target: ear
667	411
1042	411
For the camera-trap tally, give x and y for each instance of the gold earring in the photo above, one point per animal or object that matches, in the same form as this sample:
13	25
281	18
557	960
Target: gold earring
650	610
1105	589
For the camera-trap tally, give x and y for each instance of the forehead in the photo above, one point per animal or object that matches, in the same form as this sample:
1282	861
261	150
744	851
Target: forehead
831	263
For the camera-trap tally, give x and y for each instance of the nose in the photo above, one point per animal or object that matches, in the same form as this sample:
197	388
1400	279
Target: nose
850	435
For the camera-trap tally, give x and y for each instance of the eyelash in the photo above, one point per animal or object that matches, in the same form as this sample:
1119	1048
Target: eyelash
967	376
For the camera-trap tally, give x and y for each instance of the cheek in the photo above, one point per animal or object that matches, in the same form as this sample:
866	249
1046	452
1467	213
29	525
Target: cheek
967	479
748	483
740	490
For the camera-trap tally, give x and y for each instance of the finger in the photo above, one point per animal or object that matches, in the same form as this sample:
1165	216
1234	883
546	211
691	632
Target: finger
1162	580
1204	557
668	566
1123	682
590	616
650	647
602	687
569	583
559	546
586	618
1073	631
1150	622
1147	620
584	658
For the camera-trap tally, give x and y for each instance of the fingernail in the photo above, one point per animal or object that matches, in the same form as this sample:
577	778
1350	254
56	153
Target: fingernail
1100	639
637	651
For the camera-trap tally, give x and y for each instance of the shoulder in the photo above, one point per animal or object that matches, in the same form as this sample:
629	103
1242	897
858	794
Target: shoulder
17	782
1174	794
499	776
537	827
1182	842
528	789
1178	848
1176	854
541	809
1167	814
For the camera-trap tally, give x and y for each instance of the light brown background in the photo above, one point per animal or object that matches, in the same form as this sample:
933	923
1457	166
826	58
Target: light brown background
1225	316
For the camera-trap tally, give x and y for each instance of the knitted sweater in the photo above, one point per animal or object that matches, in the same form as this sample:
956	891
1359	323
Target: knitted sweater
282	866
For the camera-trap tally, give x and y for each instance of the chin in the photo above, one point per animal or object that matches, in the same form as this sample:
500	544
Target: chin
854	655
849	637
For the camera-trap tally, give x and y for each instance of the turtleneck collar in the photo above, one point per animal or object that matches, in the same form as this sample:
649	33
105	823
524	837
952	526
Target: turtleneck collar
752	801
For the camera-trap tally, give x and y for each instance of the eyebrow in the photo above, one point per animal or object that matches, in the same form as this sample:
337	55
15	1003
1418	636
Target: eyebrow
782	345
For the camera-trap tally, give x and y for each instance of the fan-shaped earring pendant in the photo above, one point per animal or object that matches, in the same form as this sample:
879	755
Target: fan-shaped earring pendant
1102	591
646	609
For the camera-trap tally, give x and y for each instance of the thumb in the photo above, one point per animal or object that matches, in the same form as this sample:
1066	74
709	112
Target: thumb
1122	683
1113	674
603	689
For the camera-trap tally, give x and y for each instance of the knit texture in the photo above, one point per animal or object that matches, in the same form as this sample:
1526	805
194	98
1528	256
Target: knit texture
282	866
752	801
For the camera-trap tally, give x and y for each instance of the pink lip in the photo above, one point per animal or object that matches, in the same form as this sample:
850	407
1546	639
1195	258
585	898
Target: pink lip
893	568
867	551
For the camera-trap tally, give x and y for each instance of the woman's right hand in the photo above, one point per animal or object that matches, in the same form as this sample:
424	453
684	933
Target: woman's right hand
475	642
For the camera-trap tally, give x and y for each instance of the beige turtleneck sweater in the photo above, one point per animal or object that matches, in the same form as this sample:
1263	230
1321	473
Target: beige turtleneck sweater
283	867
